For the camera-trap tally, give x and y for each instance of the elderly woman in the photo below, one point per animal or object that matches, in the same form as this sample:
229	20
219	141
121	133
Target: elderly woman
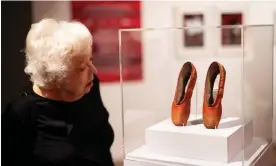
60	118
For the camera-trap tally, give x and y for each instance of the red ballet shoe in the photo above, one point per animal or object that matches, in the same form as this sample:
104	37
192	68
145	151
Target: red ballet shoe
182	99
212	108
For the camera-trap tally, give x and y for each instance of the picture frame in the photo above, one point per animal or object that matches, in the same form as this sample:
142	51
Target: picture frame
231	36
194	37
230	40
193	41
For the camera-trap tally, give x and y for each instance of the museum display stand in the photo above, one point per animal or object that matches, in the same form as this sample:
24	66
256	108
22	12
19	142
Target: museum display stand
244	134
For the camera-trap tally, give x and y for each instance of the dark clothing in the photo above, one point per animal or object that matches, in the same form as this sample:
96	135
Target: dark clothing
43	132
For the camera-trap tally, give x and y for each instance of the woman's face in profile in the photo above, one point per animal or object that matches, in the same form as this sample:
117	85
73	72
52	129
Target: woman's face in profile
80	77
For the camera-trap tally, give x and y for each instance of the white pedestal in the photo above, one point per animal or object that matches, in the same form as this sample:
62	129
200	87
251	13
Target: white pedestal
144	157
194	141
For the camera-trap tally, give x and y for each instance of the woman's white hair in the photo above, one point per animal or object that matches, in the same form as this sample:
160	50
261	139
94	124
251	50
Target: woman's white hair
49	45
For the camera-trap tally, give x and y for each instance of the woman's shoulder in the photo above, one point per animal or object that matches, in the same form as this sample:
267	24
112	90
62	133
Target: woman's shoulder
21	104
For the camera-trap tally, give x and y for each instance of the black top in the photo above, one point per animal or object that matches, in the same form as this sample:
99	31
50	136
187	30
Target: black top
45	132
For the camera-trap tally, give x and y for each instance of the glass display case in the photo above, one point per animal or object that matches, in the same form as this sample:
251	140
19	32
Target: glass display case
204	99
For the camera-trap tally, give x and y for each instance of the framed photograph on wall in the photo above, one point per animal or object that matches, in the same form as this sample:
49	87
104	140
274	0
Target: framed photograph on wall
193	37
190	35
233	15
231	36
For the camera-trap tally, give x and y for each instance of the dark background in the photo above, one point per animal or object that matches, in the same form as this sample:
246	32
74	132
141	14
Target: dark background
16	20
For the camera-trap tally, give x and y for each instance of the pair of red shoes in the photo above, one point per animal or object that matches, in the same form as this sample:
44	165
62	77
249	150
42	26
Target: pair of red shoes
212	108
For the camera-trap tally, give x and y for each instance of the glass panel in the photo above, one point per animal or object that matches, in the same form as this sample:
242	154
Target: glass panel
258	90
199	100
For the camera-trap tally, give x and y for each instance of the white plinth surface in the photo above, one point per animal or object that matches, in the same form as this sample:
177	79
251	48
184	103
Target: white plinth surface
194	141
143	157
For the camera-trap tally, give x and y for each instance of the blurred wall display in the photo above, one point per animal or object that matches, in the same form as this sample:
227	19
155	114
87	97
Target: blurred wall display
104	19
194	36
190	35
231	36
